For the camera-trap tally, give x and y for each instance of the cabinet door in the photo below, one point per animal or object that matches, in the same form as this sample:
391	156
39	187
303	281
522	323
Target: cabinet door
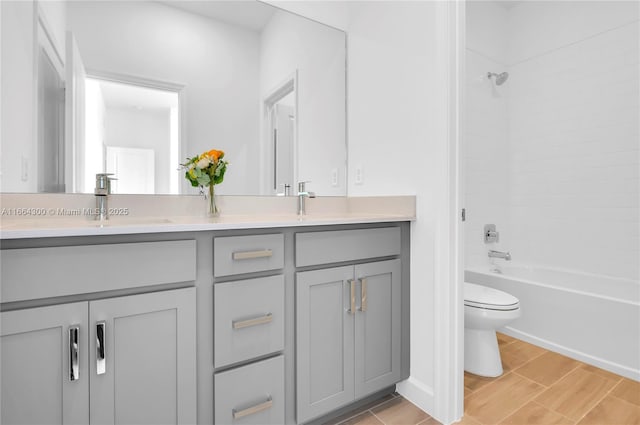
38	348
148	343
378	329
324	341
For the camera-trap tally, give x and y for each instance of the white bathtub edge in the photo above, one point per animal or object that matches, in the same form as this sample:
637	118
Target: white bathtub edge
616	368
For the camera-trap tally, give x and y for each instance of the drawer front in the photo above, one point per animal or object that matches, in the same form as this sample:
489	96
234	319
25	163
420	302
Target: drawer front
33	273
346	245
249	319
252	394
247	254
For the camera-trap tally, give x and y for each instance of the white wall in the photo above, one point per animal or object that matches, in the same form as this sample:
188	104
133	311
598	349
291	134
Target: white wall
321	120
574	136
486	144
572	179
221	66
143	129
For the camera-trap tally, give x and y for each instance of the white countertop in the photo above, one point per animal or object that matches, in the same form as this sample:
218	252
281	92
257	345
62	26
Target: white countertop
47	216
60	227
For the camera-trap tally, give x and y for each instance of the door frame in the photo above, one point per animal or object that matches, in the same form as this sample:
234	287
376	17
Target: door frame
448	386
449	273
267	167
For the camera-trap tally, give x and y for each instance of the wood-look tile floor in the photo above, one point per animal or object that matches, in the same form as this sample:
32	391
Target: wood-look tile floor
538	387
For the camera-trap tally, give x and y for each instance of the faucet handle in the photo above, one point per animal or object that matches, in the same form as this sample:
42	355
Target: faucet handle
103	183
491	235
302	185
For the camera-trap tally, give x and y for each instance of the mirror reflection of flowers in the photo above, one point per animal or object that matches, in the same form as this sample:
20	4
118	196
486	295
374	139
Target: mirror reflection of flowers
206	170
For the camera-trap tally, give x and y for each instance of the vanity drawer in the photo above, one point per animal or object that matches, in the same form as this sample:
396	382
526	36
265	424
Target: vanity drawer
247	254
33	273
346	245
252	394
249	319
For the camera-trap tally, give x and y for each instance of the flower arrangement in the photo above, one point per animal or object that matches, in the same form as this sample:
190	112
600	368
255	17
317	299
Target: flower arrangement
206	170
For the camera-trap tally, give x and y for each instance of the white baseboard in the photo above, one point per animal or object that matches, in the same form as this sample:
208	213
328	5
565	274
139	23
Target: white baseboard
574	354
418	393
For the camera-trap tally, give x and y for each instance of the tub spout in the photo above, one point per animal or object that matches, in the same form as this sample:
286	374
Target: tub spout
499	254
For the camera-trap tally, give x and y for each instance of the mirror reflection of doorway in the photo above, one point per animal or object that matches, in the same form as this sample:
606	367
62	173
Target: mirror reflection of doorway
132	132
281	145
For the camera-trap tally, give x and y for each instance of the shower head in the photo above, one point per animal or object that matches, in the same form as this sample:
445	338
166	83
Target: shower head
500	78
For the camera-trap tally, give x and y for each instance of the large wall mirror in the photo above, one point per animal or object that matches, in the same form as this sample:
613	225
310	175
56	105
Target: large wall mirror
136	87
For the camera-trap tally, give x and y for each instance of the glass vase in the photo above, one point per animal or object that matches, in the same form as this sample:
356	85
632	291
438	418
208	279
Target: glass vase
212	202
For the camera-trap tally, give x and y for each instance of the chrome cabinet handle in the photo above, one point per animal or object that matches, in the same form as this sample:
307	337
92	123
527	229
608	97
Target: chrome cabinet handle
237	414
248	255
352	287
363	294
101	364
239	324
74	347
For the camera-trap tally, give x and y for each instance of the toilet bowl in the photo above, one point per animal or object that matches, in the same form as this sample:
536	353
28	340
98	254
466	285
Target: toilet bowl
485	310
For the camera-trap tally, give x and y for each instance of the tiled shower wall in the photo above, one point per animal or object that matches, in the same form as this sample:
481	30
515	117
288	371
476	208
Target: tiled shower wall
486	144
572	145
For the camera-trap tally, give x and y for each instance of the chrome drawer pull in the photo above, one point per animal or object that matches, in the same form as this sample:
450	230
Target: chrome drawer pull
363	294
352	288
101	363
74	348
237	414
239	324
248	255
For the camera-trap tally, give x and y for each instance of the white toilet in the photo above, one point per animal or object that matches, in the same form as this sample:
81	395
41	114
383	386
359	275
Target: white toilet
485	310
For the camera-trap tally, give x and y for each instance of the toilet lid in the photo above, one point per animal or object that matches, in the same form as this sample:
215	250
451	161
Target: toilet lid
489	298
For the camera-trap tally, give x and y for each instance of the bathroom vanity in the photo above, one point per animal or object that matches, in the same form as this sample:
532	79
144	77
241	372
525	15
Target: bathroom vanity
285	321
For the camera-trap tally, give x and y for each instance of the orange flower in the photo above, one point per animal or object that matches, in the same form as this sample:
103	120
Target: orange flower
215	154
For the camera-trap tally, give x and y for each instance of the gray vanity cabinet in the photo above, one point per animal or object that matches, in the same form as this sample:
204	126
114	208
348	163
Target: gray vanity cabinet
146	351
324	342
102	354
378	326
36	361
348	322
249	329
149	345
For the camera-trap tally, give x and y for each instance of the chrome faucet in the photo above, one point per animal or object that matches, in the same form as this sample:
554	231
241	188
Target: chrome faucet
499	254
102	192
303	193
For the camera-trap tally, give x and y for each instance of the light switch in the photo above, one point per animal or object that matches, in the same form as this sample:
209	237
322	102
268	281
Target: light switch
24	169
359	175
334	177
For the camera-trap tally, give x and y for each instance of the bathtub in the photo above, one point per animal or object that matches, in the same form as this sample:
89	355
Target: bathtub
594	319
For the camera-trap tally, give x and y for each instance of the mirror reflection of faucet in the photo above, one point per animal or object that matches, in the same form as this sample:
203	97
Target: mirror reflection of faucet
286	190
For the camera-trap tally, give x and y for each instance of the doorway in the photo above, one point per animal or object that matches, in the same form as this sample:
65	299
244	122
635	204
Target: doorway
132	132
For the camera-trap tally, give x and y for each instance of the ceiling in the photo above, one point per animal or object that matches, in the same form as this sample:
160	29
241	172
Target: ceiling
508	4
124	96
249	14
